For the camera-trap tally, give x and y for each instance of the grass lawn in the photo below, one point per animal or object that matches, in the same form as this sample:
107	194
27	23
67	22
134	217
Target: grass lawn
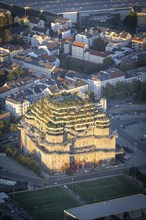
50	203
104	189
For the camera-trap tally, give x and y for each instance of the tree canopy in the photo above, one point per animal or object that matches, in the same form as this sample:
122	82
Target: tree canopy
122	90
99	44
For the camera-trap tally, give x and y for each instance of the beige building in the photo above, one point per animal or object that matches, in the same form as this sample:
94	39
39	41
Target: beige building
67	131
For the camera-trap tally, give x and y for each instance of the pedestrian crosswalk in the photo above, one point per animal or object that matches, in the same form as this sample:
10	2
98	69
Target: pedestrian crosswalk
7	182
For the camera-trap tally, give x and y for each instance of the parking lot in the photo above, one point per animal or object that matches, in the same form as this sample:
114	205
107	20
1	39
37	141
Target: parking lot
130	121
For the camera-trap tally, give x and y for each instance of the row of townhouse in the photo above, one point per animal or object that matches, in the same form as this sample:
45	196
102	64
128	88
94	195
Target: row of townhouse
9	53
30	21
71	84
19	85
33	22
116	40
111	76
40	67
18	103
77	86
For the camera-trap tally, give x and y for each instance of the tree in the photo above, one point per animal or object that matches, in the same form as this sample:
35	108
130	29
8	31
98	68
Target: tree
2	125
11	76
14	127
108	91
107	62
99	44
8	36
51	32
131	20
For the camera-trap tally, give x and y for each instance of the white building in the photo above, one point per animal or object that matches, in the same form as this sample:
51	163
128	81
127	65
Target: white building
36	41
81	51
139	43
61	23
118	40
87	37
95	56
78	49
15	107
111	76
64	33
34	21
136	74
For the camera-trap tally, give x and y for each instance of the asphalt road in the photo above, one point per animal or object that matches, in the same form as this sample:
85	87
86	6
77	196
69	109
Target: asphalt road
60	6
122	133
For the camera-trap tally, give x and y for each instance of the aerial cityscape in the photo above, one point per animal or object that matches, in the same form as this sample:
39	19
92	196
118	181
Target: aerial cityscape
73	110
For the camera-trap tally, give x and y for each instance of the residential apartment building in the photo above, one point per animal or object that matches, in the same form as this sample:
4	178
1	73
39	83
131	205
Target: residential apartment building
111	76
61	23
95	56
117	40
15	107
78	49
87	37
40	67
63	33
136	74
139	43
81	51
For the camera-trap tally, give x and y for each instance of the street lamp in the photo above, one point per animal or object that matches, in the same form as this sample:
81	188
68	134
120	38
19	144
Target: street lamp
35	212
135	144
72	183
25	8
135	150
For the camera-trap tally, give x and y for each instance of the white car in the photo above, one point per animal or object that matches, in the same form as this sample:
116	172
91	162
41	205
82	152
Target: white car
127	156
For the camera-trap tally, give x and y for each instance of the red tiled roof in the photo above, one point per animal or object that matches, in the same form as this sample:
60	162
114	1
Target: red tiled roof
16	47
3	89
137	39
117	74
48	58
78	44
98	53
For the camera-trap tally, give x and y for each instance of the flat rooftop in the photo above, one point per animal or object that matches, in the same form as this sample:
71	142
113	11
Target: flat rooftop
107	208
62	6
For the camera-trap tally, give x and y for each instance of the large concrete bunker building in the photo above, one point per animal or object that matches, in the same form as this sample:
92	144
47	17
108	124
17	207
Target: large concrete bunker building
68	131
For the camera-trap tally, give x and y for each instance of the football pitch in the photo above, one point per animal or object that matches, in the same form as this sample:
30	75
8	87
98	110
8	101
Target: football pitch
104	189
46	203
50	203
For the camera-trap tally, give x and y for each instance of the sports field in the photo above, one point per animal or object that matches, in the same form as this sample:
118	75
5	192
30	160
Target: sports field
50	203
104	189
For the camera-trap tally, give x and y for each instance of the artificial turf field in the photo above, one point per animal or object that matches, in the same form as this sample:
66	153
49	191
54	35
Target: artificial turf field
104	189
51	202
